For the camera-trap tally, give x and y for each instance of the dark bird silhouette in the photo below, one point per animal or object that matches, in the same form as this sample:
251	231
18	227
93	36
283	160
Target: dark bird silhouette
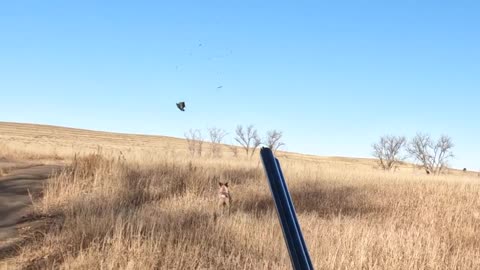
219	87
181	106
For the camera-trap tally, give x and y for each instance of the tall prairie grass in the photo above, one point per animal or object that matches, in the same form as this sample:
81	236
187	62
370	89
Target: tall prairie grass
112	213
141	202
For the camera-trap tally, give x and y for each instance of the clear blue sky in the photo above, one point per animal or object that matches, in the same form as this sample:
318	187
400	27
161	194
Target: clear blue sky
333	75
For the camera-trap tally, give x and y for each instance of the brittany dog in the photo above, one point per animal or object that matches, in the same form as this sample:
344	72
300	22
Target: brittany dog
224	197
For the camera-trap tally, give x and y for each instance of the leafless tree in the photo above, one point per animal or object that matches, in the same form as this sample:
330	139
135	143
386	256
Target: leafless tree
216	138
199	143
432	156
273	140
388	151
256	143
248	139
194	142
190	137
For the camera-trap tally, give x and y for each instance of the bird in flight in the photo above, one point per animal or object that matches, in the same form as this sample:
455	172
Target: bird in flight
181	106
219	87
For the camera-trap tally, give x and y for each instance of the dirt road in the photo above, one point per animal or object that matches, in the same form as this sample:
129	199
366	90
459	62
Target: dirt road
15	201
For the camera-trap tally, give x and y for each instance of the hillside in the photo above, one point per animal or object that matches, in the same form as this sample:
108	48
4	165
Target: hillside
63	142
141	202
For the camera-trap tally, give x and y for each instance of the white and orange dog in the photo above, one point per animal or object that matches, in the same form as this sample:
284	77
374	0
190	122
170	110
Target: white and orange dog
224	197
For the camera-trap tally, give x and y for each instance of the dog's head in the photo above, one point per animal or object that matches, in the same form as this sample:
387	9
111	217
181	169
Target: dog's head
223	187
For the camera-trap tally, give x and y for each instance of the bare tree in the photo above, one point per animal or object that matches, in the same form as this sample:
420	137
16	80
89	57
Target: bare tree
256	143
216	138
432	156
273	140
199	143
190	136
248	139
388	151
194	142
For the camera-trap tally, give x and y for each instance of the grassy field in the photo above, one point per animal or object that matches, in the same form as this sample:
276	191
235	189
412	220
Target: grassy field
141	202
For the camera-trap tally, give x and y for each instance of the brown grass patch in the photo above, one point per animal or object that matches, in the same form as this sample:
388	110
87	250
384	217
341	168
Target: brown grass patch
125	215
148	205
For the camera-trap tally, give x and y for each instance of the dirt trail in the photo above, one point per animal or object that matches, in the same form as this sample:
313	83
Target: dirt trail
15	201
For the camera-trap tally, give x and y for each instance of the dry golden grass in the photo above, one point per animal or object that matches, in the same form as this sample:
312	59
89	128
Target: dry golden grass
42	142
134	211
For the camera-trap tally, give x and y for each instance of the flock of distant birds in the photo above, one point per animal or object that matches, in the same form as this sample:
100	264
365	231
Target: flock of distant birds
181	104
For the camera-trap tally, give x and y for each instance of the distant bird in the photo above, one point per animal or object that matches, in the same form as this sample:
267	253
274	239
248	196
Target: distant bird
181	106
219	87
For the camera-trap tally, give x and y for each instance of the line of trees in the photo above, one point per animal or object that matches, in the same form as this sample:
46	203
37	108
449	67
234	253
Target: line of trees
246	137
433	155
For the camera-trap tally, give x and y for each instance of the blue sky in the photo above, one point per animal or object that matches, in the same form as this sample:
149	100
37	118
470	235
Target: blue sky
332	75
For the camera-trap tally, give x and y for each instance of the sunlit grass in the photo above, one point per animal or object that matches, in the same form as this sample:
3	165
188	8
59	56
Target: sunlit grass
132	211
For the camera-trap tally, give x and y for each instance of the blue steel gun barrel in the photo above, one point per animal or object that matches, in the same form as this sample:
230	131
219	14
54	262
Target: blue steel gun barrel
287	216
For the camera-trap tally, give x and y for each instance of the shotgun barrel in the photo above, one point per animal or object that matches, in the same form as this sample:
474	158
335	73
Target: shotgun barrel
287	216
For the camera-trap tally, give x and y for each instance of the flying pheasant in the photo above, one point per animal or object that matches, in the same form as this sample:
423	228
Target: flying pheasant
181	106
